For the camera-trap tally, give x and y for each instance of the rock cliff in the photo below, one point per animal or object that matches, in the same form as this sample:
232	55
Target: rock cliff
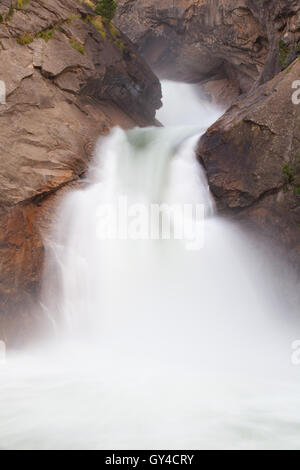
227	45
69	77
252	159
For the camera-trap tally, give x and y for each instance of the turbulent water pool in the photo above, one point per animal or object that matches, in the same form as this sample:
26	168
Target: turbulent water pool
77	404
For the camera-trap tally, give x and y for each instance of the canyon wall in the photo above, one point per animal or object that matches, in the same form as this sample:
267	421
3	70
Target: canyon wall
252	159
228	46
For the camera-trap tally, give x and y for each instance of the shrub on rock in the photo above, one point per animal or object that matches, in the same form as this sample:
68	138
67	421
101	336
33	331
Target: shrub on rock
106	8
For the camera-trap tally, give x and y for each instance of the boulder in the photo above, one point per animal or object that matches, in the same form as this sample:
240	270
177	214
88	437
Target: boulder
252	159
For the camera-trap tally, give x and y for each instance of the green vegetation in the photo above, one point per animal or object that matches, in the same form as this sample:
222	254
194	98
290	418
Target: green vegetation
17	5
77	46
114	31
288	173
10	13
284	51
97	22
89	3
108	31
46	35
72	17
297	190
107	9
8	16
20	4
26	38
119	44
116	36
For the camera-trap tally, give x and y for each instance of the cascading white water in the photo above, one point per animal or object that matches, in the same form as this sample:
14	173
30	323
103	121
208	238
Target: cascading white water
145	166
157	345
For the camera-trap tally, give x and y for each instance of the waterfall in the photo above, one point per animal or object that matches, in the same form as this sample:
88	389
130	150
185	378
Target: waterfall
157	341
141	166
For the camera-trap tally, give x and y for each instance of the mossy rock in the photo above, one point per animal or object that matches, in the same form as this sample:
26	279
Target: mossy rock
77	46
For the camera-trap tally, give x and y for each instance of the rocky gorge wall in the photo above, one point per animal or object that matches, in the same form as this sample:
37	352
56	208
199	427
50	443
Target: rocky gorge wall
228	46
252	159
69	78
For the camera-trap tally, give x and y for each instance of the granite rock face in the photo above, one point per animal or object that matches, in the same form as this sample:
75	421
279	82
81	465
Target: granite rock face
227	45
280	20
69	78
198	41
252	159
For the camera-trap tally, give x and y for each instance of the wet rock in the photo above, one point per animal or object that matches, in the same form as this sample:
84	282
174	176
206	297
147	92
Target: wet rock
252	159
244	42
198	41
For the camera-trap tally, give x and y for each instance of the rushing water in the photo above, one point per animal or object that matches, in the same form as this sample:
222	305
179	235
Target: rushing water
154	344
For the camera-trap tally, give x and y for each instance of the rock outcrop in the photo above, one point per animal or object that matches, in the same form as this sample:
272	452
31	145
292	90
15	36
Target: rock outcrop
69	78
227	45
280	19
252	159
